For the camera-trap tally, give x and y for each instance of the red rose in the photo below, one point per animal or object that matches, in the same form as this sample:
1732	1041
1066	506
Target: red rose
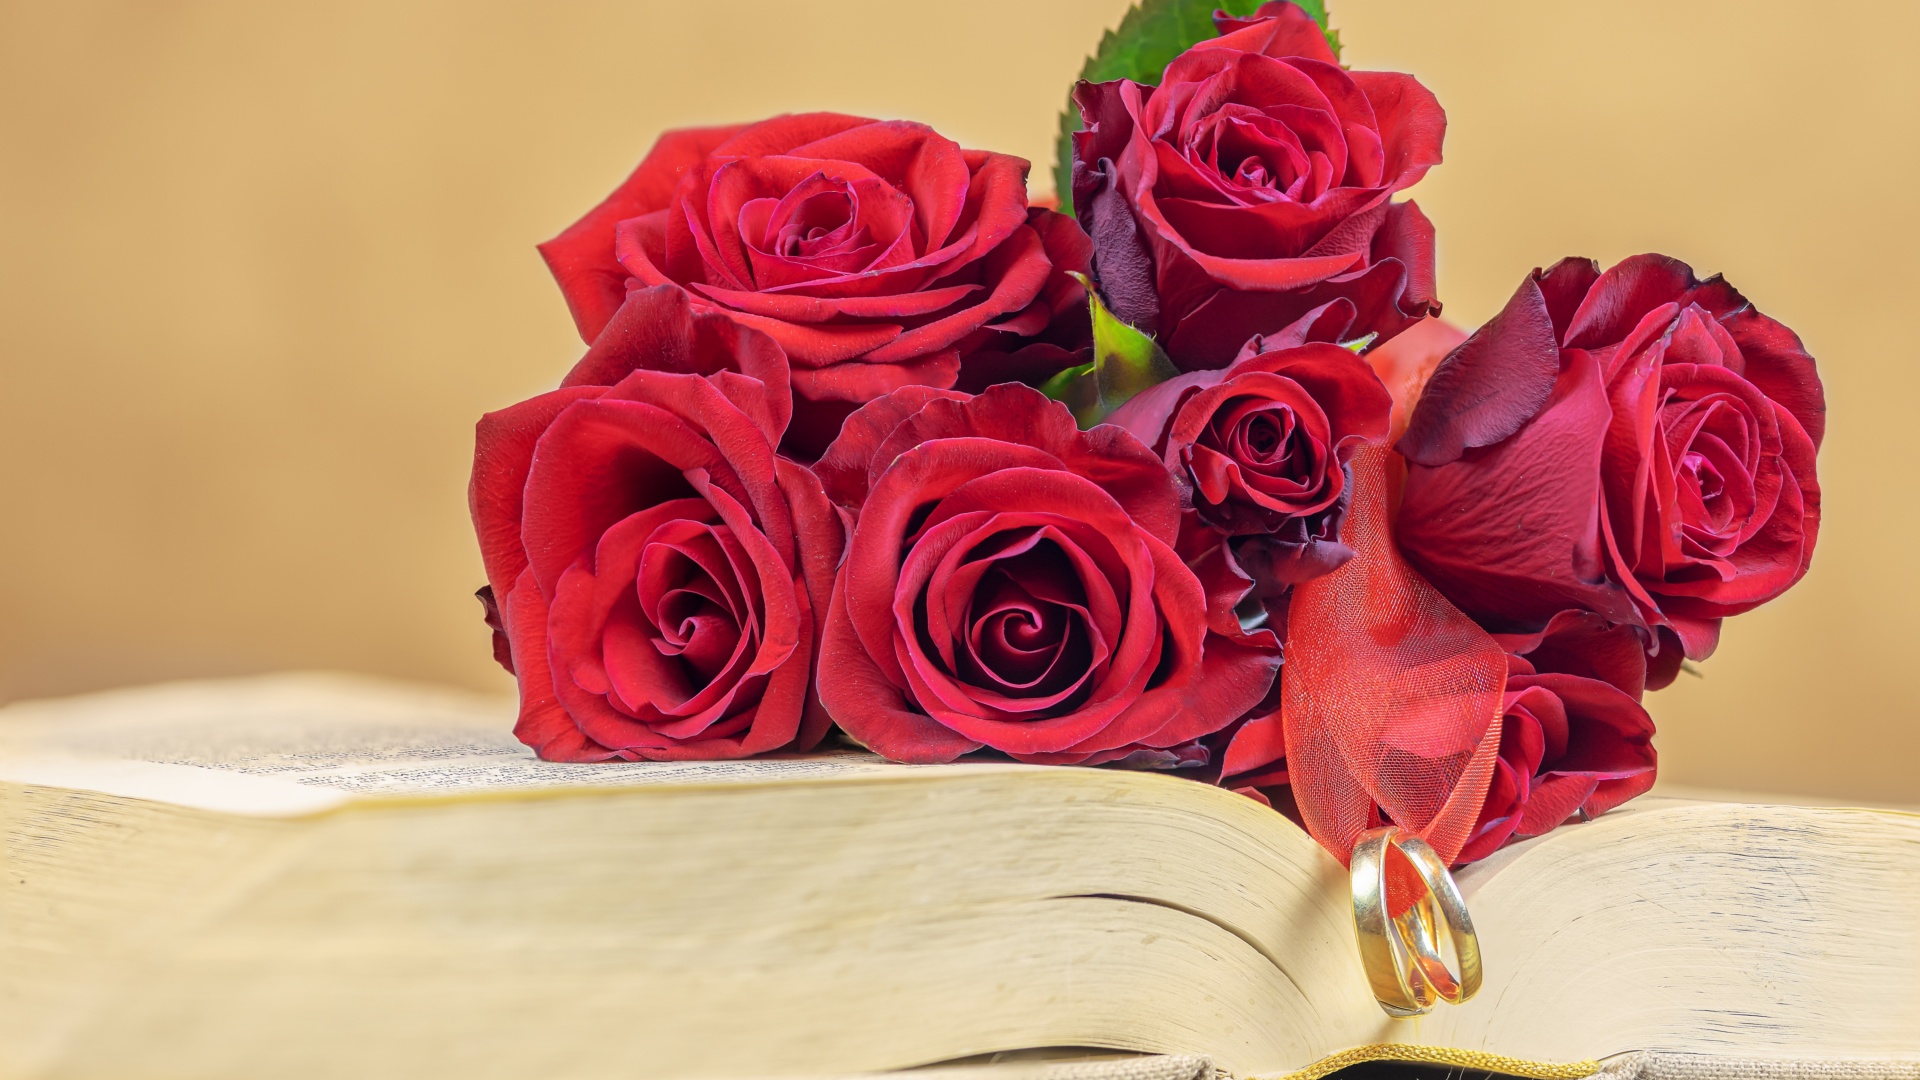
1254	184
1011	582
1567	745
1262	447
877	253
1638	444
660	573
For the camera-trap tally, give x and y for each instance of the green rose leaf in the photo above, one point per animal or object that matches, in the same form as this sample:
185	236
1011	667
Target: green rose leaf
1125	362
1140	48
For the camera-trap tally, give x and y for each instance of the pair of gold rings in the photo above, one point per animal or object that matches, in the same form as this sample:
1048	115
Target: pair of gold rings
1404	954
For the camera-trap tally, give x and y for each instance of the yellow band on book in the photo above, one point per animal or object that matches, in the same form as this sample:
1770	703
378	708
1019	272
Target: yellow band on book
1475	1060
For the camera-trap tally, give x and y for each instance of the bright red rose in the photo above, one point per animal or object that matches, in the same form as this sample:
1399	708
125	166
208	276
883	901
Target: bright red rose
877	253
1567	745
1254	184
1638	444
1011	582
660	573
1261	447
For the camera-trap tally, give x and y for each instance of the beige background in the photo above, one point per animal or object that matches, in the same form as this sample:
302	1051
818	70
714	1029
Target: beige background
262	265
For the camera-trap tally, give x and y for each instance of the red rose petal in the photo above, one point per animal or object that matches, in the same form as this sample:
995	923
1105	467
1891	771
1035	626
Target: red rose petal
844	467
868	705
582	259
543	723
1499	378
657	329
1412	125
504	444
1461	525
1276	29
1018	269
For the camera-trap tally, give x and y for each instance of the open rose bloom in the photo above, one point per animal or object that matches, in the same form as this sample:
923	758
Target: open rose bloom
1254	184
816	479
877	253
658	573
1012	583
1659	432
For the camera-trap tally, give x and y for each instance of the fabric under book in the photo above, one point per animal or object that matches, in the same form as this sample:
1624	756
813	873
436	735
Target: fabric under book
316	876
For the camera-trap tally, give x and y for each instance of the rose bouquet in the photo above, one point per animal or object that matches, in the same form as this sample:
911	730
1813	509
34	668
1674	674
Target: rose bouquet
1182	473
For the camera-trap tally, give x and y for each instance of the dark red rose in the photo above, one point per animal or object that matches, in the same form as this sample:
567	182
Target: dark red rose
1012	582
660	573
1638	444
877	253
1567	745
1261	447
1254	184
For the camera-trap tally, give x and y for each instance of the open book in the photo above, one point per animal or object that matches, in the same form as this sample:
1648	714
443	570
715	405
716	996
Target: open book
317	876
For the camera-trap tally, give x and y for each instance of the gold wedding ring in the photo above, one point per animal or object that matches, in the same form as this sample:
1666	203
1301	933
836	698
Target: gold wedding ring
1404	955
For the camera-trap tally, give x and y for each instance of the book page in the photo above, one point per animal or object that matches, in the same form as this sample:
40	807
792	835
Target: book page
1710	928
295	744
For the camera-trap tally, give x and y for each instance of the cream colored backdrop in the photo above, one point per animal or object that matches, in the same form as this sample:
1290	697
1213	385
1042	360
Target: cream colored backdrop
262	265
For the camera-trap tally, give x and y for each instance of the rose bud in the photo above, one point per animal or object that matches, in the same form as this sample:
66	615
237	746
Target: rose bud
1638	444
1567	745
1254	184
660	573
1011	582
1261	447
878	254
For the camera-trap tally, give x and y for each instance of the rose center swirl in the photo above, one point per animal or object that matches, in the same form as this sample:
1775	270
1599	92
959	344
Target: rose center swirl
1022	636
1270	445
1713	446
700	616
